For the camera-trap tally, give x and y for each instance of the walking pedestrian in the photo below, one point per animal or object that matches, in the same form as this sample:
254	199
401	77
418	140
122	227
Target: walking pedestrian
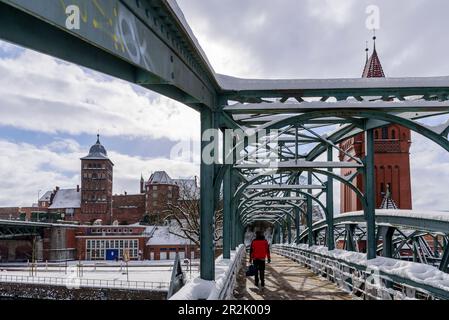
260	249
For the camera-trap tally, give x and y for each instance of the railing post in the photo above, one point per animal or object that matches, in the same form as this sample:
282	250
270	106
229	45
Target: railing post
309	212
444	259
350	230
387	243
330	205
207	197
370	199
227	212
289	229
297	224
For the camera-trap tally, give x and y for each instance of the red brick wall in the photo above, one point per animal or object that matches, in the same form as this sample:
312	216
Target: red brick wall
392	166
128	209
158	198
6	213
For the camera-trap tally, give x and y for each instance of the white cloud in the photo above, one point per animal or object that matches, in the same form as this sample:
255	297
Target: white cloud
331	11
42	94
25	169
430	174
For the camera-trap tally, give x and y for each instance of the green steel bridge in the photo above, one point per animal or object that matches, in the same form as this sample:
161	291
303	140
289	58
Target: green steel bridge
296	125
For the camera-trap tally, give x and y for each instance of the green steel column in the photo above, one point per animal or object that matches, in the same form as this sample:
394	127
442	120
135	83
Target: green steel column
370	196
350	230
227	213
233	213
289	229
387	243
279	233
330	205
207	265
297	224
309	212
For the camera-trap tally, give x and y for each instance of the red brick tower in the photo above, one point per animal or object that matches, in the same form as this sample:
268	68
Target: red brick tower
391	158
96	185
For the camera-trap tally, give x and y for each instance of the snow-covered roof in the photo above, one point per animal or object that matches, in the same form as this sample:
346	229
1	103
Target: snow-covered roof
188	188
160	235
239	84
160	177
46	196
418	214
66	198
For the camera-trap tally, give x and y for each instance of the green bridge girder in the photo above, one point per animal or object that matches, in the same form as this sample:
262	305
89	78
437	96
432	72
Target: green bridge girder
148	42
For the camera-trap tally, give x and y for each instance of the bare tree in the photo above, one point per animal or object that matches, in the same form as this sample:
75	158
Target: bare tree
184	213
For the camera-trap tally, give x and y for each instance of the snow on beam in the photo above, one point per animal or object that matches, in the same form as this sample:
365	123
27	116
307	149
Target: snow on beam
238	84
304	107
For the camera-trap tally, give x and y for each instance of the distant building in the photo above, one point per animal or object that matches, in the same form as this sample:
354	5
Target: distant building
391	157
96	185
163	245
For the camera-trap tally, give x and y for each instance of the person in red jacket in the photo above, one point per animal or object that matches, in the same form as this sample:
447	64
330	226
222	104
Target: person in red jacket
260	249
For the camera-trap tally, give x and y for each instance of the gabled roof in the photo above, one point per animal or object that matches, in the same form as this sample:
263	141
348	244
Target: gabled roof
66	198
46	196
387	201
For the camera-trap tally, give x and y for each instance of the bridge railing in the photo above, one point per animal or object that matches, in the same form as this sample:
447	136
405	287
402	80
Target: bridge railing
226	271
362	281
74	283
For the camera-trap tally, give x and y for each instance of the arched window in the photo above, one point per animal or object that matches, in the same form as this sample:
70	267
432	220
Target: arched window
393	134
376	135
385	133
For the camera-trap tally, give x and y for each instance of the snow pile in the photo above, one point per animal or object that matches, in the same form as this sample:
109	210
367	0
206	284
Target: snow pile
417	272
225	271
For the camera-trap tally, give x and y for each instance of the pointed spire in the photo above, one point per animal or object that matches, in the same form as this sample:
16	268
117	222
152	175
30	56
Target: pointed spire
366	50
387	201
98	138
373	67
141	177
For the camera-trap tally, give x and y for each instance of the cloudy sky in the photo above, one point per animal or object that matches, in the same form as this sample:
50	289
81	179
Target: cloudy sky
51	110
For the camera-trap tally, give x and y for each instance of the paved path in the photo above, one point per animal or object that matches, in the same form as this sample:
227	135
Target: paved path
287	280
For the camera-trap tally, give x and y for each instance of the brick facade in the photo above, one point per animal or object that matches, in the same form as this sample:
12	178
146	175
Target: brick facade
391	158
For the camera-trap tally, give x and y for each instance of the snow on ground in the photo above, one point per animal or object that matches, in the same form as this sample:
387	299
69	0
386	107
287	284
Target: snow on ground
141	271
418	272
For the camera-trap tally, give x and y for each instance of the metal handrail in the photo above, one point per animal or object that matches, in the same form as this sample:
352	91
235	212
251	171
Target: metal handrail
80	282
228	286
357	280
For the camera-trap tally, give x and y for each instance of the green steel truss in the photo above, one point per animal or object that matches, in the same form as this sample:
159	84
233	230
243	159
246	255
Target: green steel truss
148	42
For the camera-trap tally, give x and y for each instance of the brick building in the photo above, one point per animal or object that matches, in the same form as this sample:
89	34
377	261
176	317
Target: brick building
94	201
109	242
96	185
163	245
391	157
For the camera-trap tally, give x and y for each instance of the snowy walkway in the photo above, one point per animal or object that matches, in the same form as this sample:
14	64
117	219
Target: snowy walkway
287	280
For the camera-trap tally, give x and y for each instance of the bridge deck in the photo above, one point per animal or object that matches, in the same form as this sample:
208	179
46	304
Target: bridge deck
287	280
